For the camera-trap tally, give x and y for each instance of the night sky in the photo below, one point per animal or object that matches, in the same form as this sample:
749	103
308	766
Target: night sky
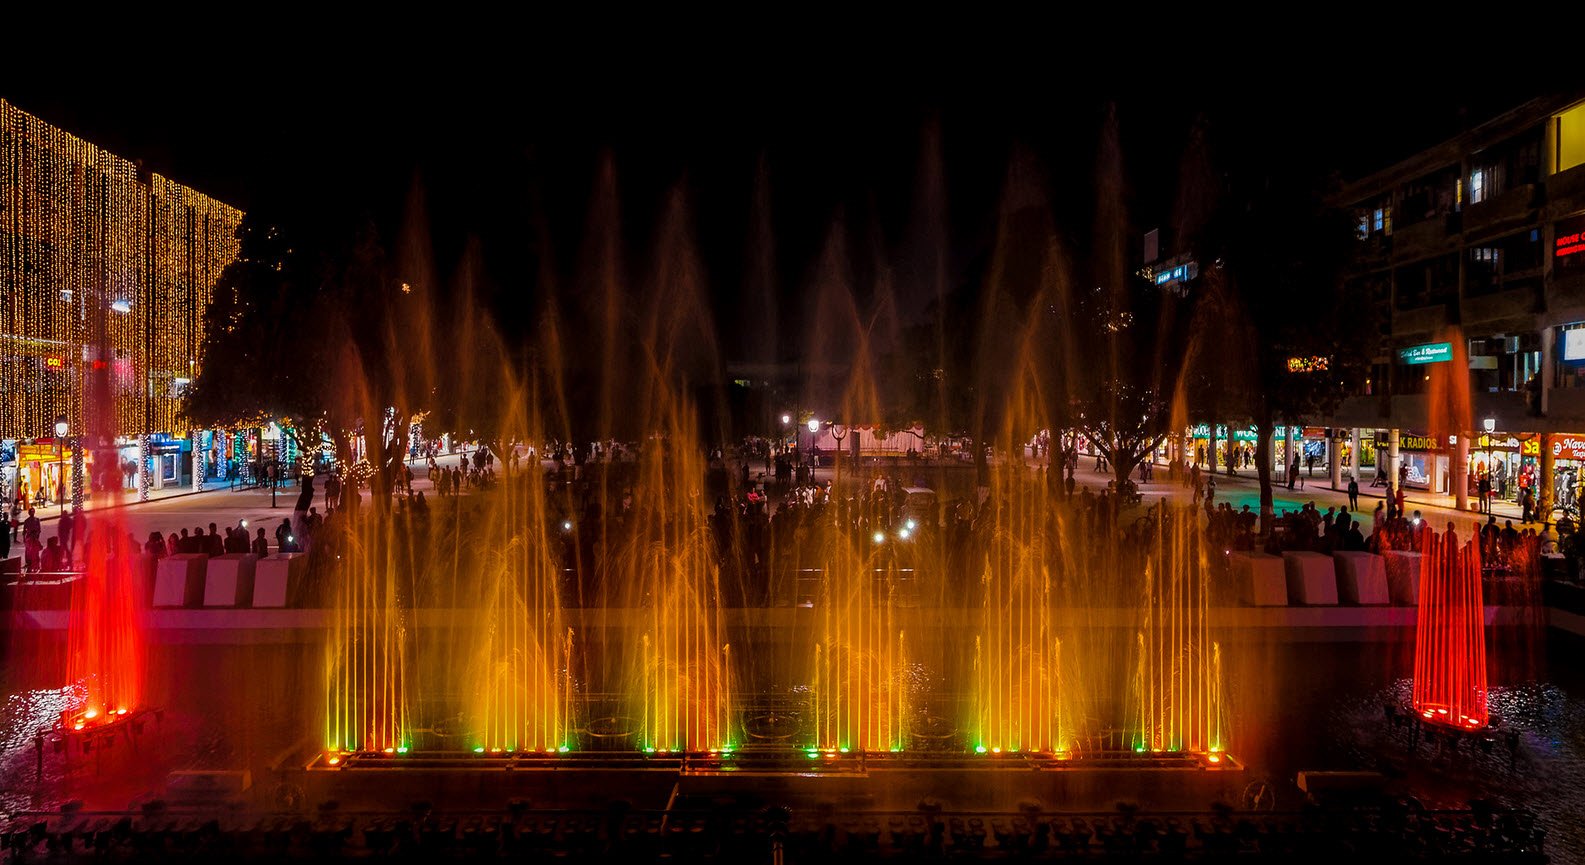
508	155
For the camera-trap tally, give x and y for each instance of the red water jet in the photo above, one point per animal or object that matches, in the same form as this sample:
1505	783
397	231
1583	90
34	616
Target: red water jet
1450	639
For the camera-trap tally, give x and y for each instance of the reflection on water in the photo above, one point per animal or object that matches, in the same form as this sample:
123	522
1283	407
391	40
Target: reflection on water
21	717
1532	756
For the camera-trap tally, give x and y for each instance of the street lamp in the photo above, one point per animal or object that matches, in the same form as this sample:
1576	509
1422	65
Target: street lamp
1491	425
61	428
814	427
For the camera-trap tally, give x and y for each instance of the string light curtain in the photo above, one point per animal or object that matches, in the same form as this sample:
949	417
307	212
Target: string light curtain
83	230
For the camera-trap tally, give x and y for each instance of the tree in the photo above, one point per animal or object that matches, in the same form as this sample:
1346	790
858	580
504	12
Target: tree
266	347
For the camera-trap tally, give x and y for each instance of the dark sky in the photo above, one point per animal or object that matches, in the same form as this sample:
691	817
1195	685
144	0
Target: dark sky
499	152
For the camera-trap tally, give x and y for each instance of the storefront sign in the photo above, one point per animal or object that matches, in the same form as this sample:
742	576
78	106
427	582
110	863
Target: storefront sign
1420	443
1568	447
1570	239
1431	352
1203	431
1308	364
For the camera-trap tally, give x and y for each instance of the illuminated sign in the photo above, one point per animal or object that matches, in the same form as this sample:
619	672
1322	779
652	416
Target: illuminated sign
1203	431
1431	352
55	362
1568	447
1178	274
1420	443
1308	364
1574	344
1568	244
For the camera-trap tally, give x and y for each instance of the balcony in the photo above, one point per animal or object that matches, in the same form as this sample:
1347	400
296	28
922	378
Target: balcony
1565	191
1508	209
1422	321
1565	292
1517	304
1424	238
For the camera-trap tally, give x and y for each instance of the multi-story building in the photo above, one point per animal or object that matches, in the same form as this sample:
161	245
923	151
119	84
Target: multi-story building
1473	254
103	266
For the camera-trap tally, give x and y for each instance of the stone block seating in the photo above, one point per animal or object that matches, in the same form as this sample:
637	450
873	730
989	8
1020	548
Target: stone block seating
179	580
1403	577
1312	578
1260	578
276	577
1361	578
229	581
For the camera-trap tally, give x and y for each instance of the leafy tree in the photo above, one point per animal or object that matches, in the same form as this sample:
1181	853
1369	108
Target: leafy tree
266	348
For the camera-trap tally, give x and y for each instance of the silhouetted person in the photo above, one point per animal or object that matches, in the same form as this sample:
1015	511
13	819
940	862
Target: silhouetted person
1353	494
261	544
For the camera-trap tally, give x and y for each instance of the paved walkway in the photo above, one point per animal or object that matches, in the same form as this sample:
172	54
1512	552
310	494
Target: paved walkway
1244	489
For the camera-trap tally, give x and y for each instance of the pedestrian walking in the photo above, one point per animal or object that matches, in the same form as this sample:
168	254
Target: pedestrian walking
1353	494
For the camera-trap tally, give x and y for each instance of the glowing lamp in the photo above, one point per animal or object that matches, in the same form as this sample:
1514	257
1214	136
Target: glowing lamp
566	525
91	714
479	750
121	305
1213	758
903	534
61	427
333	760
121	711
290	539
402	750
910	525
879	538
814	425
979	749
390	750
996	750
563	749
786	419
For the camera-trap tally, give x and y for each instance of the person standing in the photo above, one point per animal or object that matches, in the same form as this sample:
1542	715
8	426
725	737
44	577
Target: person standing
1353	494
1484	489
261	544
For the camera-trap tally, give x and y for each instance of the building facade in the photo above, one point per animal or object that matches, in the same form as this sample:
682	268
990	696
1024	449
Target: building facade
1473	255
105	267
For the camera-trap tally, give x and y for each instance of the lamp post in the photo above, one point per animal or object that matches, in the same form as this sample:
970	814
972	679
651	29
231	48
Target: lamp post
814	428
1490	425
61	428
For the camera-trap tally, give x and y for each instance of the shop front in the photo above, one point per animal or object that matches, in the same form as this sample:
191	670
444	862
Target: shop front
43	474
1568	468
1510	460
1426	461
1242	448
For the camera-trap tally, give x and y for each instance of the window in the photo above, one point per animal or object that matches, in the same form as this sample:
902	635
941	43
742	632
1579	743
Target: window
1569	369
1477	186
1571	138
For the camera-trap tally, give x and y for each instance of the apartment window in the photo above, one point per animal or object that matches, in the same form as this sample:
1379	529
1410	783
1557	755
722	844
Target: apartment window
1571	137
1477	186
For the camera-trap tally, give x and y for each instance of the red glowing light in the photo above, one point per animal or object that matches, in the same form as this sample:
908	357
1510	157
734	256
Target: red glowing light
1450	637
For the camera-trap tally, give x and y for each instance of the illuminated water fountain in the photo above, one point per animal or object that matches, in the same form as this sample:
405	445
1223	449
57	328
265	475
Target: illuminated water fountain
1450	635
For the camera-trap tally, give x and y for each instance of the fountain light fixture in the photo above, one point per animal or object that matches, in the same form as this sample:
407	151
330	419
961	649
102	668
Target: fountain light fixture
904	534
910	525
121	305
879	538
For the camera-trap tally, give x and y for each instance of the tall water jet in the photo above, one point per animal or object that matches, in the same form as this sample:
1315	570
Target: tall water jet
682	677
859	691
1450	635
521	691
1178	686
366	652
105	652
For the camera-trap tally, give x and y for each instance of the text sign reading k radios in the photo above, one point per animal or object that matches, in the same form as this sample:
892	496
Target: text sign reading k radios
1434	352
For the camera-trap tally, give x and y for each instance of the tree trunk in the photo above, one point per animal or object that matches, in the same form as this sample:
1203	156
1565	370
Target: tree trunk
1122	467
1263	433
1228	447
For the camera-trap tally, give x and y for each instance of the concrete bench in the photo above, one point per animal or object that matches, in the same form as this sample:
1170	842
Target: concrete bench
1260	578
1361	578
276	577
229	580
1312	578
179	580
1403	577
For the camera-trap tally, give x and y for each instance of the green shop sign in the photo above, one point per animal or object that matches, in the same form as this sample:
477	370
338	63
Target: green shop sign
1239	435
1431	352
